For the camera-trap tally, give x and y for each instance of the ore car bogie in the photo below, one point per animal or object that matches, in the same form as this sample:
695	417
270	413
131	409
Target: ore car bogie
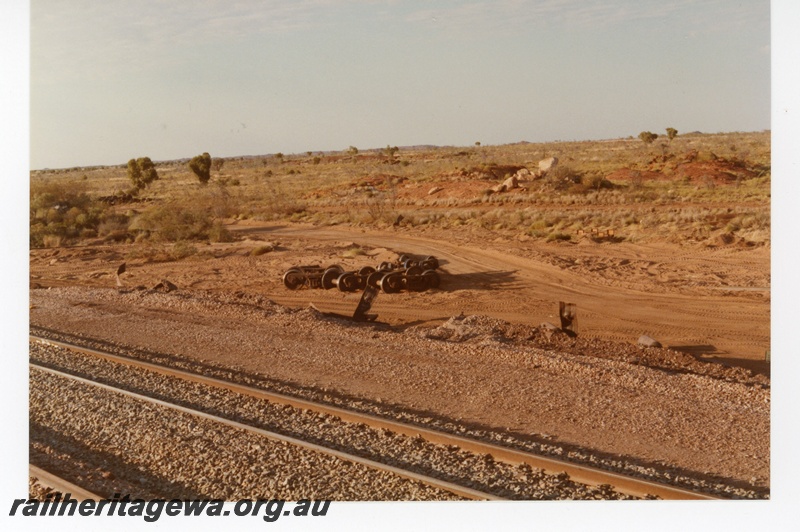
408	273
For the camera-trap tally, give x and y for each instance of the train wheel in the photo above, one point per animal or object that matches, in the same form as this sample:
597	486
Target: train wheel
391	283
366	271
413	271
430	263
293	278
329	277
374	279
347	282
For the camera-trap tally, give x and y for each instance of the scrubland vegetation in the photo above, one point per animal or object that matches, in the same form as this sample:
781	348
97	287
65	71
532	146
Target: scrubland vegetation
690	188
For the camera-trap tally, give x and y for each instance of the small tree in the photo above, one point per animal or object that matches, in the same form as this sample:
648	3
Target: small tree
201	166
141	172
352	150
217	163
390	152
671	133
647	137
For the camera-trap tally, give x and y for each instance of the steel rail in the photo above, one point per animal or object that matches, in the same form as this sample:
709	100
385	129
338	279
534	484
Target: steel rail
461	491
62	485
579	473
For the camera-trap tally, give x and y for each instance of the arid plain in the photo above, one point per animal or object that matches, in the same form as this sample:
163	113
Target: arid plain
669	239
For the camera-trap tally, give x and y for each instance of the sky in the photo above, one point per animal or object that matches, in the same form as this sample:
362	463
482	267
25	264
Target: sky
167	79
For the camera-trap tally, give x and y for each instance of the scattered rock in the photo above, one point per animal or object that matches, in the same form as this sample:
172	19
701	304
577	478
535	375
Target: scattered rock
434	190
550	330
646	341
545	165
523	174
511	182
165	285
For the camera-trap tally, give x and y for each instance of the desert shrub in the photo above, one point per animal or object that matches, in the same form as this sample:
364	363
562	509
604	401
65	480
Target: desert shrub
277	202
261	250
201	166
114	226
225	181
379	206
60	213
563	177
353	252
197	215
216	200
172	222
648	137
219	233
595	181
141	172
181	250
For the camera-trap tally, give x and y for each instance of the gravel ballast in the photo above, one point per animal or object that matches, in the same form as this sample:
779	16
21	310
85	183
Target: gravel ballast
649	409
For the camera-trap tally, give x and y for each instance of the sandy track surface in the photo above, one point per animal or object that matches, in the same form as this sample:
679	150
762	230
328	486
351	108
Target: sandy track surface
709	302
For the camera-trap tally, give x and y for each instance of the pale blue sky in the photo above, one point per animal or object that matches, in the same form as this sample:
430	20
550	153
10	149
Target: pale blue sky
167	79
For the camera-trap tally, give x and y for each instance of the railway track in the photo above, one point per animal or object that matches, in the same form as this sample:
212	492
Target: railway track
448	486
59	484
575	472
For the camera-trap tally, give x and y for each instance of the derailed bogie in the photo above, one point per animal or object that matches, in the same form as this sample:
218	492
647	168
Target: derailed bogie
407	273
330	275
391	283
294	278
350	282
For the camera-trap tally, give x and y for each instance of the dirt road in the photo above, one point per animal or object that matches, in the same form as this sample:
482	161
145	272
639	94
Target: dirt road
710	302
683	297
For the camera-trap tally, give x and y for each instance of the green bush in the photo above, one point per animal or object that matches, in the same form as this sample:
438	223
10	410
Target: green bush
141	172
173	222
61	213
201	166
648	137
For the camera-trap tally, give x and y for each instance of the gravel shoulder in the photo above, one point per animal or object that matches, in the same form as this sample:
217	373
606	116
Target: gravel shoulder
482	372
